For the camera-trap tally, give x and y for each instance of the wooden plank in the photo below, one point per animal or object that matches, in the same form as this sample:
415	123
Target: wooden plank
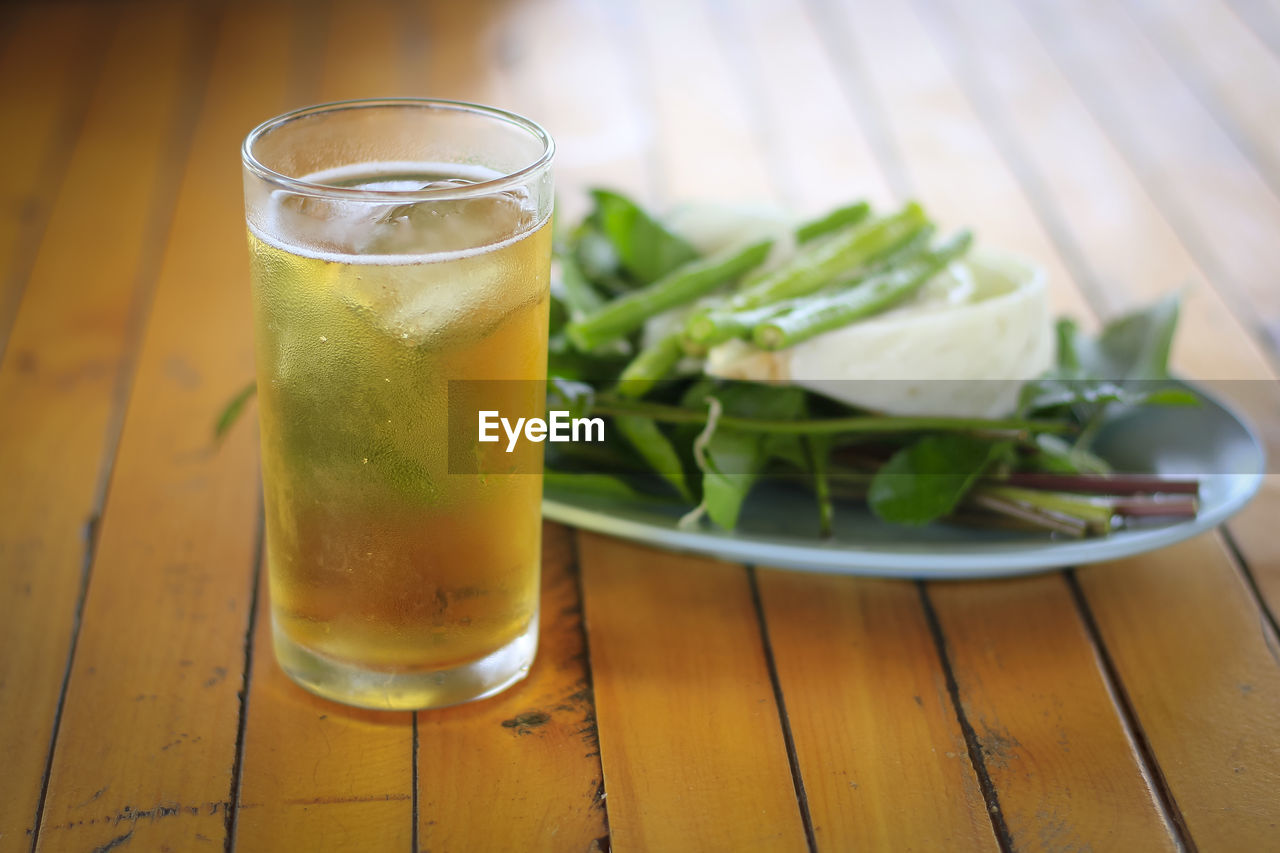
691	742
951	162
959	170
884	761
1200	668
149	728
1135	254
689	731
563	64
1227	66
1049	735
49	51
877	740
459	52
820	154
316	774
1263	17
67	358
521	771
366	51
1218	202
707	136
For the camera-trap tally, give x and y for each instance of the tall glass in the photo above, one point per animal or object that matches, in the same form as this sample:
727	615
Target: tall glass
399	247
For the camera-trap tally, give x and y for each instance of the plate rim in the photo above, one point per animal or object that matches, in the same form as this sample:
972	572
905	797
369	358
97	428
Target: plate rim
964	562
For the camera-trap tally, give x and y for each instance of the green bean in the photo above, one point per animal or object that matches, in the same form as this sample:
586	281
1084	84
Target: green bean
818	262
875	294
684	284
650	366
841	217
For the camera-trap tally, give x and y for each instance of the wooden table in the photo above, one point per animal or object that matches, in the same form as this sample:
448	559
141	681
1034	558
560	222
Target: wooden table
678	703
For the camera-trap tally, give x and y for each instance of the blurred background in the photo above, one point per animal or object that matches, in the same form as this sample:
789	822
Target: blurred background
1129	146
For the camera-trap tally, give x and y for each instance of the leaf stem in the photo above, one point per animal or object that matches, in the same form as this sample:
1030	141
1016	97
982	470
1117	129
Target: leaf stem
613	406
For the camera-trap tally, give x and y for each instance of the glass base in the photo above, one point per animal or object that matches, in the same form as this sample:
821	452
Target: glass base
407	691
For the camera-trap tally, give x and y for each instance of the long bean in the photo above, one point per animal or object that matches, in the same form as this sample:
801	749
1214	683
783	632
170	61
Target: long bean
650	366
872	296
684	284
818	262
841	217
707	328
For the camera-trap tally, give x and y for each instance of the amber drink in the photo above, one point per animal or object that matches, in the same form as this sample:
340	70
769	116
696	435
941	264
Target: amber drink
399	250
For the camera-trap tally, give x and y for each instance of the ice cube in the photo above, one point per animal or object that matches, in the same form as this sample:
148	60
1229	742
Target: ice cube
448	225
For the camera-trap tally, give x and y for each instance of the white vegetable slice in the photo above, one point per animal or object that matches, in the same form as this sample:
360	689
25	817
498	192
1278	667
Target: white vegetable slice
962	346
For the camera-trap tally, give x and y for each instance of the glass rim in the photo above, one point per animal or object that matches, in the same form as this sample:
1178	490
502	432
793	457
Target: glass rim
300	186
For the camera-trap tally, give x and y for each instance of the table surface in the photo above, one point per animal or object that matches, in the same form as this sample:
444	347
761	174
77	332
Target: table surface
678	702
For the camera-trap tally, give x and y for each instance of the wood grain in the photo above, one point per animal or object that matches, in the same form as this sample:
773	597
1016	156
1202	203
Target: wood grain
1128	146
820	154
1222	208
876	735
707	134
565	64
1134	251
1227	67
1263	18
1049	792
365	53
1201	668
67	357
48	53
882	755
952	164
317	775
690	737
148	733
1061	761
691	741
1126	245
521	771
460	50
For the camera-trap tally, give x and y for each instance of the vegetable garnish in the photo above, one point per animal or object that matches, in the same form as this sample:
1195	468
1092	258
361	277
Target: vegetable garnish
641	313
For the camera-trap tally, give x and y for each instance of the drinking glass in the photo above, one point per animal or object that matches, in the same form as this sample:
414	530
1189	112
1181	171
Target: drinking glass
398	248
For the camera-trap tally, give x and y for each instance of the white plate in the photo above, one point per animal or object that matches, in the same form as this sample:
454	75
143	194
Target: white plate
779	523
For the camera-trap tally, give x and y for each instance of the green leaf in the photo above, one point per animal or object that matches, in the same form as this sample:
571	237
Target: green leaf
1135	346
588	484
645	248
234	408
733	459
1055	456
1125	364
927	479
723	493
656	450
1068	335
